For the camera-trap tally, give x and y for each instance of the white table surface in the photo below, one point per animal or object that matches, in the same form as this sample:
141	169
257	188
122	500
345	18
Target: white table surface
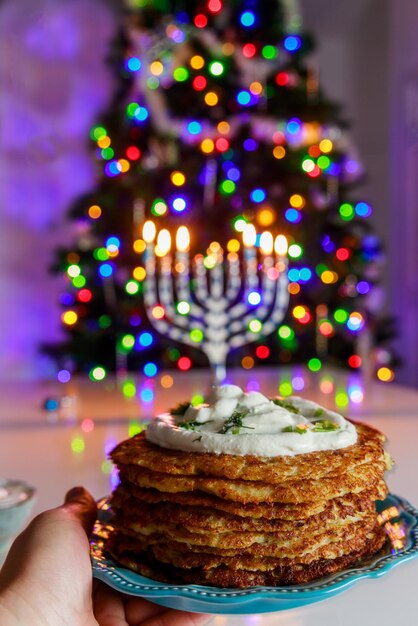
57	450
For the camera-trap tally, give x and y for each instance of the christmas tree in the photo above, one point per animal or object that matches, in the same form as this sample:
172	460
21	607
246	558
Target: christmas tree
220	122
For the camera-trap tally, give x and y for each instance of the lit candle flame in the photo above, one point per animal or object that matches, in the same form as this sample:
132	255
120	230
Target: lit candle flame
280	245
249	235
148	231
163	242
266	242
183	239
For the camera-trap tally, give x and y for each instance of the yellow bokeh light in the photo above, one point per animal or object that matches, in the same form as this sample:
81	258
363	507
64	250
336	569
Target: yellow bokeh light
69	317
156	68
385	374
197	62
279	152
139	245
297	201
223	128
228	49
214	246
124	165
207	146
104	142
293	288
233	245
256	88
265	217
247	362
139	273
325	145
166	381
299	312
329	277
178	179
211	98
94	212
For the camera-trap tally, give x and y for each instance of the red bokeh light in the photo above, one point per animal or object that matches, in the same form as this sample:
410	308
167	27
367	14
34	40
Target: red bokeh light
200	20
263	352
315	172
249	50
222	144
354	361
199	83
133	153
84	295
214	6
282	79
314	151
343	254
184	363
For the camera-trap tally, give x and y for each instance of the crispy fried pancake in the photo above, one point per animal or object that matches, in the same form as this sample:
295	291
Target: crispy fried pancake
268	511
125	552
276	470
356	480
288	543
165	516
238	521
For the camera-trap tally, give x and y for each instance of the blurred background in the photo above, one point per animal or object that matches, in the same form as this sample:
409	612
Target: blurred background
55	83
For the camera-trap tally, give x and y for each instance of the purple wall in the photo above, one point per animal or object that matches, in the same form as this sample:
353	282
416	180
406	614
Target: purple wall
53	84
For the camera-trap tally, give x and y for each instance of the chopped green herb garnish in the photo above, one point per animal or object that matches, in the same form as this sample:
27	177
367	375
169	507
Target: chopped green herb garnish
286	405
180	409
301	430
325	426
192	425
318	412
189	425
198	439
234	423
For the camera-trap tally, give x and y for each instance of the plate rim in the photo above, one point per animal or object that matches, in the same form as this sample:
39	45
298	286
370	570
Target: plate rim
120	578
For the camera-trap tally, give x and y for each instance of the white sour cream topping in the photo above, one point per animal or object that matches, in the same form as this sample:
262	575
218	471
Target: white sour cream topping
263	426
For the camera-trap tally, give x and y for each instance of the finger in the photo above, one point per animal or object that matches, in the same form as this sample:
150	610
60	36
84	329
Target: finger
82	505
138	609
175	618
108	607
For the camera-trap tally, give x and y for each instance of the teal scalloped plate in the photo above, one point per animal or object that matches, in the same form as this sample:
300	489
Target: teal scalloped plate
398	517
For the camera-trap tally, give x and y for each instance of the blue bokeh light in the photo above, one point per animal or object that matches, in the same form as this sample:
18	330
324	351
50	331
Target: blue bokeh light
258	195
292	43
150	370
194	128
247	19
293	216
133	64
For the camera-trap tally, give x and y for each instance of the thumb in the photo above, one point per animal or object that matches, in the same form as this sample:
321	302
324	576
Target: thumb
53	538
80	504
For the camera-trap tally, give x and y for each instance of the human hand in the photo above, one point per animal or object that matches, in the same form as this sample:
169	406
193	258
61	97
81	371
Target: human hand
47	579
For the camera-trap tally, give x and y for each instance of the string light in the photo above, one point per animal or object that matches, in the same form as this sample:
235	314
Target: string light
313	147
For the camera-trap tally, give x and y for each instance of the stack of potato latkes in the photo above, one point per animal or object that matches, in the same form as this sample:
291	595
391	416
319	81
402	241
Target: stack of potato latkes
239	521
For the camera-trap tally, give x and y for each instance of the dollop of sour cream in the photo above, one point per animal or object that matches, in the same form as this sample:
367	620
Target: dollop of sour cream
239	423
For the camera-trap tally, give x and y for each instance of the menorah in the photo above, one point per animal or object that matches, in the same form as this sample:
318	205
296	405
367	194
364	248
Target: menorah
217	305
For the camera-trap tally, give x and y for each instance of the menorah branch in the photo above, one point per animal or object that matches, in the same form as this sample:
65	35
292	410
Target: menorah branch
210	318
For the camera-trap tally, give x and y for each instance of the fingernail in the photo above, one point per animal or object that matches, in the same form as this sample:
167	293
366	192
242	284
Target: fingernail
75	495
